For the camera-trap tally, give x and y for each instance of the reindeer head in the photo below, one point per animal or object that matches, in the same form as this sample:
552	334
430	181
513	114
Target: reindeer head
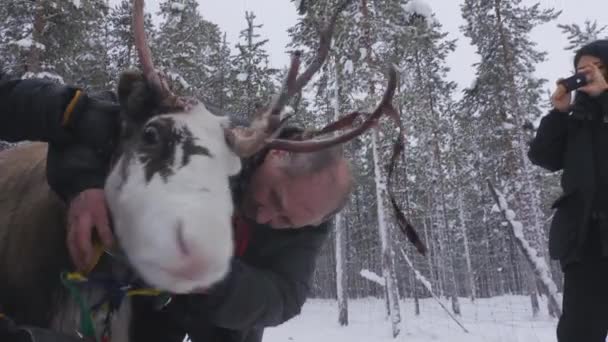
168	190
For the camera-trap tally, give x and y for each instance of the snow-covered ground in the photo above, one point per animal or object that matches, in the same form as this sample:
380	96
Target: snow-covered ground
500	319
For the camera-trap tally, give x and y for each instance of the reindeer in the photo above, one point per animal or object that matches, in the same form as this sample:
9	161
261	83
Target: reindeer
167	191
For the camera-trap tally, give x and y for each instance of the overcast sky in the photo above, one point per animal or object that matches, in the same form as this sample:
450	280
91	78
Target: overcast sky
278	15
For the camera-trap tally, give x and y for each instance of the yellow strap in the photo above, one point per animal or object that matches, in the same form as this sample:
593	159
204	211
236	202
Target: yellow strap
70	108
75	276
143	292
98	250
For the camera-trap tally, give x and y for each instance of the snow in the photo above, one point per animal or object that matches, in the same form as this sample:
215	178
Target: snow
175	6
371	276
419	276
177	77
27	43
363	53
498	319
348	67
44	74
419	7
242	77
76	3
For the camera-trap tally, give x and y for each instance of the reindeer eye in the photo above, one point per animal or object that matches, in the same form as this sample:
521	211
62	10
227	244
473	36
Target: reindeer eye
151	135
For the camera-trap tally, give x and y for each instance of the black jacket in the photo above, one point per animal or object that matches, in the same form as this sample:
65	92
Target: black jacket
576	142
78	156
32	109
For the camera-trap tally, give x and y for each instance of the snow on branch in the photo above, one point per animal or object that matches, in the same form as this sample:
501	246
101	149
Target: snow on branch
371	276
419	7
44	75
538	264
427	284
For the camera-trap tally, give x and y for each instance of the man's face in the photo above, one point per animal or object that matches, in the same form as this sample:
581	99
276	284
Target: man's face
275	198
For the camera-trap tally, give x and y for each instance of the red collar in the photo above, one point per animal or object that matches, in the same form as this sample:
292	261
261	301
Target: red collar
242	235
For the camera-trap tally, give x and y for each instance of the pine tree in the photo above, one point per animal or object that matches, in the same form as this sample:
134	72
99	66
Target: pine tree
121	42
577	36
92	62
252	72
183	46
218	88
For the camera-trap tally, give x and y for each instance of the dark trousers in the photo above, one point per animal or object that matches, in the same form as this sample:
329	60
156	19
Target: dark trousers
585	302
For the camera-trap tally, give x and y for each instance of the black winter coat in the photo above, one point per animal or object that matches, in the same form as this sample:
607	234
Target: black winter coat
33	109
577	143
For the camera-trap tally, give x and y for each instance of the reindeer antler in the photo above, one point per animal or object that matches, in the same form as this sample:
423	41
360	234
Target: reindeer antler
266	124
384	107
168	100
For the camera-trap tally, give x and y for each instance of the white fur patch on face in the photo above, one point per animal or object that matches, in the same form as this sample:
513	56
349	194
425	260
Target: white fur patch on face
177	231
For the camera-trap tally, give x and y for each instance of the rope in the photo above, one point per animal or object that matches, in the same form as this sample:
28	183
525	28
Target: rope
110	302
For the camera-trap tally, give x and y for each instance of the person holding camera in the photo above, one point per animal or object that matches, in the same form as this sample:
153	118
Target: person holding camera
573	137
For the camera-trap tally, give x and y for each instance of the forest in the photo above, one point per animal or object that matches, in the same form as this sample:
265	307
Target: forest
458	146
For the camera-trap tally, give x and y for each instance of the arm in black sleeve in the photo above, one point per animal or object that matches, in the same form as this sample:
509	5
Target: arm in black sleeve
262	297
547	147
603	98
74	168
32	109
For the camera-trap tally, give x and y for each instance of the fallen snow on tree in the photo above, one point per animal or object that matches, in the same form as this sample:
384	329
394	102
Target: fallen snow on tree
242	77
348	67
371	276
76	3
425	282
419	7
541	269
176	6
178	78
44	74
27	43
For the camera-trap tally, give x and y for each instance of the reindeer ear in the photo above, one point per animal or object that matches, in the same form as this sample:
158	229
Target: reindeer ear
137	99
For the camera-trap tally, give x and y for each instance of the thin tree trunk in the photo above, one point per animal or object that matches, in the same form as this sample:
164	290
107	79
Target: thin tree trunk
341	272
467	253
386	247
341	268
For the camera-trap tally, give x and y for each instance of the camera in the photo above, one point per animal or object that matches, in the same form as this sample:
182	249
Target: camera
574	82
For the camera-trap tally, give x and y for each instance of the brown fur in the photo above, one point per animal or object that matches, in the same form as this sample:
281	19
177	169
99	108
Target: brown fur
32	236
